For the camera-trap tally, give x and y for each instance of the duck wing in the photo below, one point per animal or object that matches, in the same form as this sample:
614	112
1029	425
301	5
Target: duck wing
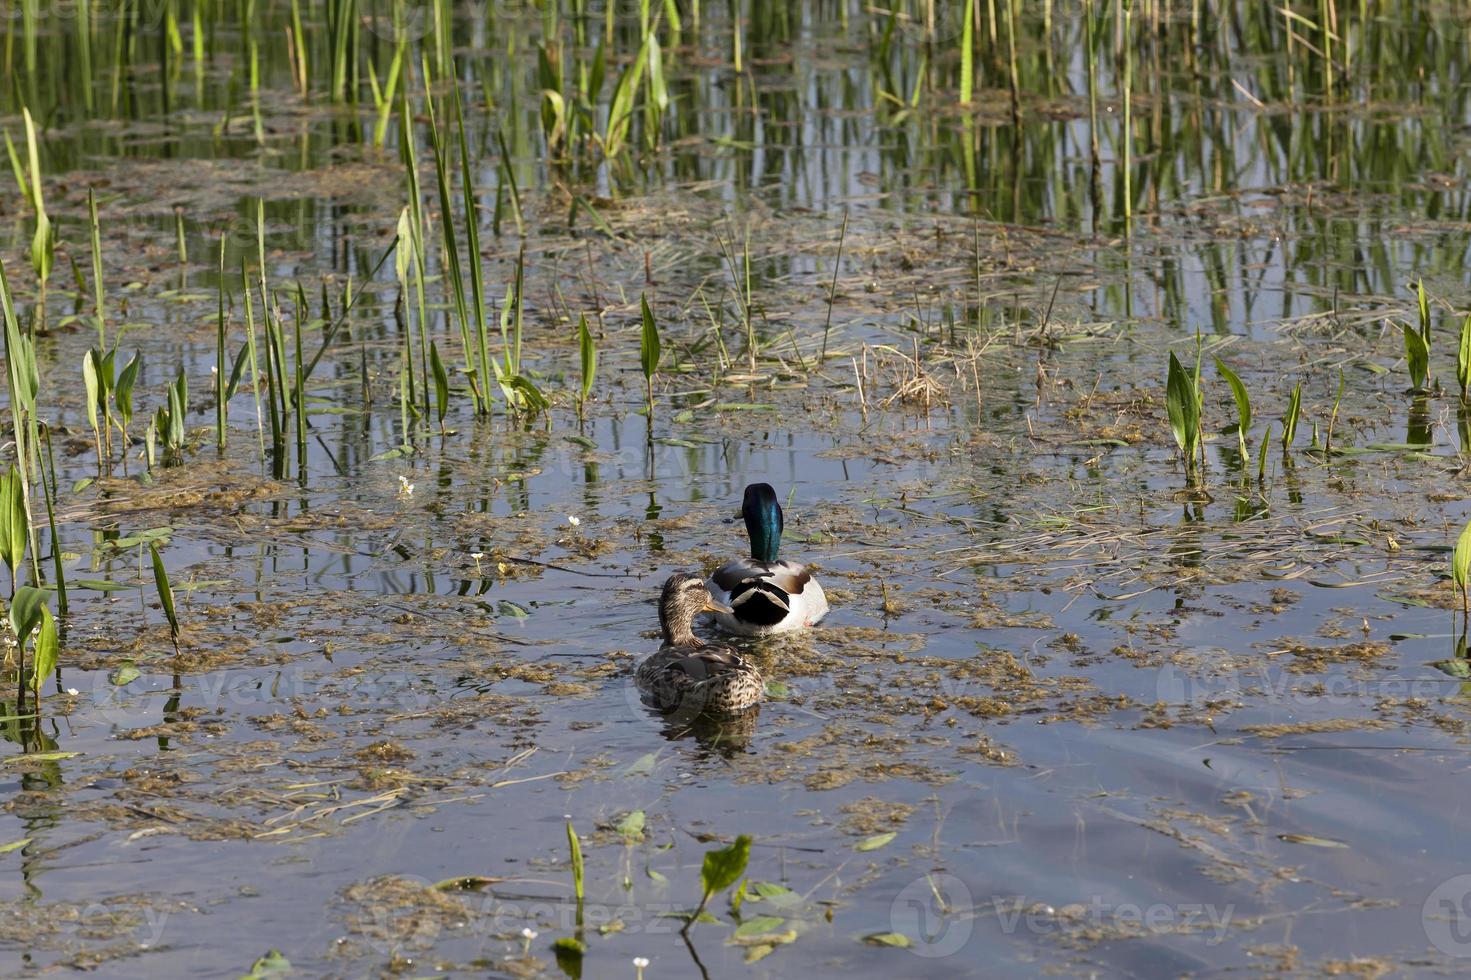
743	573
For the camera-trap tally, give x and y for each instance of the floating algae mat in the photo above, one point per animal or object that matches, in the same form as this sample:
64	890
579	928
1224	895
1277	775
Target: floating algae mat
370	365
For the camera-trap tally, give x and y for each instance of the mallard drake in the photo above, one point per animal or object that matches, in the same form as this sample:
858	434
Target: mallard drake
765	595
687	675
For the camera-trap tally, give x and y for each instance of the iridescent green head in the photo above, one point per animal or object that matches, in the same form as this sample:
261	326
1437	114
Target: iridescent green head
763	521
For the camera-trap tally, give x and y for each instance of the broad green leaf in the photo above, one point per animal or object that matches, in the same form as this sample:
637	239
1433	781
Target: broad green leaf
1183	408
25	610
643	765
273	964
875	842
47	645
14	845
124	675
723	867
897	939
90	385
759	926
631	827
123	395
777	895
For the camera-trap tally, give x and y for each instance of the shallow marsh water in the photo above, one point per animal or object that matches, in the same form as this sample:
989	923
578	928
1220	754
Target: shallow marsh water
1114	728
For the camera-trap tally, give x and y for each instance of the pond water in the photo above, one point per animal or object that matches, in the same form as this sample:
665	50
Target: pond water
1073	711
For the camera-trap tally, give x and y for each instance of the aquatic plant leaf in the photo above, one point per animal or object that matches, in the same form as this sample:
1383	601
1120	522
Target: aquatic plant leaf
1422	302
14	845
590	355
1463	358
273	964
897	939
597	74
122	395
772	892
39	757
25	610
165	592
1417	353
403	252
569	952
1183	408
47	645
875	842
722	867
649	342
656	73
1461	559
14	526
1455	668
1243	402
1289	421
237	371
620	106
441	381
762	925
575	847
1310	840
90	386
631	827
124	675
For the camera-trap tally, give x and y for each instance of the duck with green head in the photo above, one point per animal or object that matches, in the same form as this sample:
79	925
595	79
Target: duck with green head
689	677
765	594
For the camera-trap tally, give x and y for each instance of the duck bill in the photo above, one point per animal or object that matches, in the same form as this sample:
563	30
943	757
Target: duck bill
712	606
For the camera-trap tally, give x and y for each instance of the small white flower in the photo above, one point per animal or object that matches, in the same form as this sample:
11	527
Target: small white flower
73	691
405	488
574	520
528	933
477	555
640	961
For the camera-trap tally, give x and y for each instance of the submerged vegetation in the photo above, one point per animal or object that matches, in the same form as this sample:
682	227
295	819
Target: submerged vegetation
367	359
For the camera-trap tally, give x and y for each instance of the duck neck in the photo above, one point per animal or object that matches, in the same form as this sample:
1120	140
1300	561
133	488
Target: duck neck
764	527
679	632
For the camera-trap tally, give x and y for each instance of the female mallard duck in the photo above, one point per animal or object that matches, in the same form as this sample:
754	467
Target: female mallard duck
765	595
686	675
